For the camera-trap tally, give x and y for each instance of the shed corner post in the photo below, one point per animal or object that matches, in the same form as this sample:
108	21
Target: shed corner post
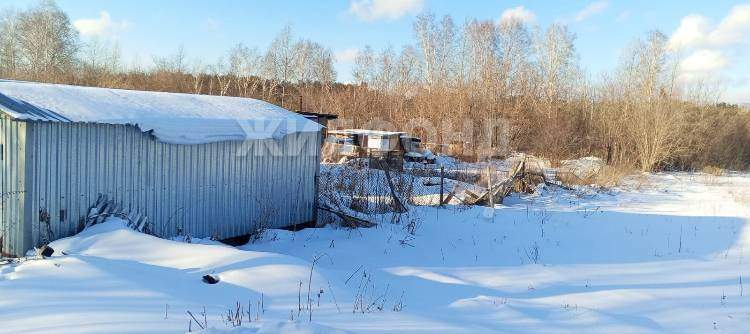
318	158
28	142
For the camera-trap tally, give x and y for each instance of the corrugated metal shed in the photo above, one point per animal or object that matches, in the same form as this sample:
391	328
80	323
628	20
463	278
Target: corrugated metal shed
170	117
53	171
13	235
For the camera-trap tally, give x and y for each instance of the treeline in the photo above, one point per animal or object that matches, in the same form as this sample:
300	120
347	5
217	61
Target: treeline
482	85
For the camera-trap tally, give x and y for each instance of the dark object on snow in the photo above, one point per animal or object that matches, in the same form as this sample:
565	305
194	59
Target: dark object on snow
210	279
45	251
351	221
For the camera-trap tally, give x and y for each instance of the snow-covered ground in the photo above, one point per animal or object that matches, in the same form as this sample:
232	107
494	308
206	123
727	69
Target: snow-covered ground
665	254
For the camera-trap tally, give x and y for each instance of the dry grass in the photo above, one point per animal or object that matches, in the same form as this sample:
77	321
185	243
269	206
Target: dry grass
611	176
713	170
608	176
711	175
641	180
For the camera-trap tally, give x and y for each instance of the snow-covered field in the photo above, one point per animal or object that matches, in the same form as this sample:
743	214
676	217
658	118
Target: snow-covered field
662	255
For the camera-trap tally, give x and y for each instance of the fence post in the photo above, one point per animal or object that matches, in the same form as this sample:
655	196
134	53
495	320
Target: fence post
442	183
489	188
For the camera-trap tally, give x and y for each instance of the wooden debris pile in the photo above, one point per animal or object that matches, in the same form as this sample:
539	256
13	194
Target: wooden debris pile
521	178
105	208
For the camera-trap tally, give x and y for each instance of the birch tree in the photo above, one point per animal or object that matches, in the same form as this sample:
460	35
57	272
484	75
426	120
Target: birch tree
9	43
47	42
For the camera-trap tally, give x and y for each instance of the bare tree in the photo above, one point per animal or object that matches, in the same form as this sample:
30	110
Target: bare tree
219	72
514	53
436	41
408	72
280	62
245	66
364	66
323	70
9	46
100	62
654	120
303	58
482	42
173	63
198	71
386	68
169	71
556	64
47	41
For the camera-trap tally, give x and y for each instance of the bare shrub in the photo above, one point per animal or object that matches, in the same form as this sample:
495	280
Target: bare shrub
532	253
713	170
357	187
485	88
264	222
610	176
711	175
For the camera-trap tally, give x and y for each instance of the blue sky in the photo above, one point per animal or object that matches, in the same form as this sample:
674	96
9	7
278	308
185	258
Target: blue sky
207	29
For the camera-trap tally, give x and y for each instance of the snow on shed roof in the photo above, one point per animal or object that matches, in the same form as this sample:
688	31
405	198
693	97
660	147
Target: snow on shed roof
171	117
366	132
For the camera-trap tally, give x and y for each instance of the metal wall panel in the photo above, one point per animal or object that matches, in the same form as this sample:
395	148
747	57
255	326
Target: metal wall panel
206	190
13	235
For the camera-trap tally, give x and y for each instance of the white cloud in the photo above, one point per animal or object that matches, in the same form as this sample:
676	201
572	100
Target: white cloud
519	13
692	31
695	30
704	61
371	10
103	26
733	27
714	50
347	55
592	9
